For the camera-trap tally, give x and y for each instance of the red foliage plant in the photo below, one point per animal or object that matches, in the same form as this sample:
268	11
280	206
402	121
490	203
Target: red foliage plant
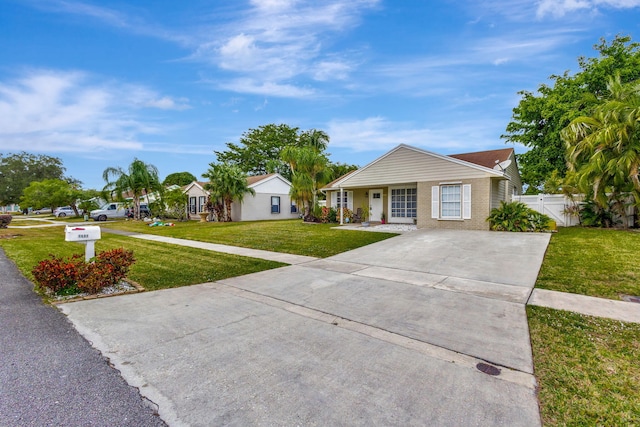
108	269
56	273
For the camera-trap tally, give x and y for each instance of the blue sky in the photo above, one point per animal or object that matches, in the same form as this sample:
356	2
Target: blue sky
99	83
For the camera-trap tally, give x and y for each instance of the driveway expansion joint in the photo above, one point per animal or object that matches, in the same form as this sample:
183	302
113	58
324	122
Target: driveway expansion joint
428	349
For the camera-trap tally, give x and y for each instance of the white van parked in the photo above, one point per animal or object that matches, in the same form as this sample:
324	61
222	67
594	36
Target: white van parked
110	210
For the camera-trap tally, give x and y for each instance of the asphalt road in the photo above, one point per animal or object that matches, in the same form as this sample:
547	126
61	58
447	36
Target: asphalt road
49	374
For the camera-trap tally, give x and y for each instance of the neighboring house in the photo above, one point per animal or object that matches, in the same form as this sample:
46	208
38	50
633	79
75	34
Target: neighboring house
271	201
10	208
410	185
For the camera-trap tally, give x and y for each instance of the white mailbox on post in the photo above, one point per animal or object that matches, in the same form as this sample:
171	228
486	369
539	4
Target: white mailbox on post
84	234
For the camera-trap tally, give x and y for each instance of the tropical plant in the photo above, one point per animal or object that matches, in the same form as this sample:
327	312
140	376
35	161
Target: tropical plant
516	216
227	182
74	275
309	170
215	207
366	210
5	220
603	149
592	214
541	115
141	179
316	139
175	202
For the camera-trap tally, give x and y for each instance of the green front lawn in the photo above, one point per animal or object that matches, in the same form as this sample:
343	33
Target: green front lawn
587	367
290	236
157	265
589	261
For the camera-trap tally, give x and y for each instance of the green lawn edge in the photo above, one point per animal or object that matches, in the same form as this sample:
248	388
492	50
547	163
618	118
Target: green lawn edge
591	261
285	236
586	367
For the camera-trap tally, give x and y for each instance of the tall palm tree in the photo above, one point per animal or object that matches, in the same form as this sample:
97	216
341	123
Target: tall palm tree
316	139
227	182
140	179
309	170
603	149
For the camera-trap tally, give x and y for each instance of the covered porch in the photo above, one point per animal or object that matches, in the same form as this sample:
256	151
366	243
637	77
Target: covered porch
397	204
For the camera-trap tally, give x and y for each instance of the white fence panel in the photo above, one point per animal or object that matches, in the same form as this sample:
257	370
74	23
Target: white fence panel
552	205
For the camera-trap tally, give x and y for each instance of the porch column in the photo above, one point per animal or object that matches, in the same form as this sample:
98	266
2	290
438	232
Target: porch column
341	195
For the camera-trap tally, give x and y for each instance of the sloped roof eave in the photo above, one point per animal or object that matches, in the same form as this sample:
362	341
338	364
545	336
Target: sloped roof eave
341	183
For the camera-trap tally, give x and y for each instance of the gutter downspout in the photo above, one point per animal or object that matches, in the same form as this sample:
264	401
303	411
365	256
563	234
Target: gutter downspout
340	204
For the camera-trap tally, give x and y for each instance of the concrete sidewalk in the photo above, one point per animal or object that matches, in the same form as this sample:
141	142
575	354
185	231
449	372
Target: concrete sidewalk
234	250
590	306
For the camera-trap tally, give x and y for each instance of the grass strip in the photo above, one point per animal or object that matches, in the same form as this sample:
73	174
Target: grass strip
290	236
587	368
157	266
590	261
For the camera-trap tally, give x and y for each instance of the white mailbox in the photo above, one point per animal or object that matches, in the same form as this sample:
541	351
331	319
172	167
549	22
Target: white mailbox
84	234
81	234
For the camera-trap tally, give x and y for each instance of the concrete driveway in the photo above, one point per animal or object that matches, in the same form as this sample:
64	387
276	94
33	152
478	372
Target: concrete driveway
403	332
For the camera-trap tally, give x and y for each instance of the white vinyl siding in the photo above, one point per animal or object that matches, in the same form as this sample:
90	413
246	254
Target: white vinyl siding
408	165
451	201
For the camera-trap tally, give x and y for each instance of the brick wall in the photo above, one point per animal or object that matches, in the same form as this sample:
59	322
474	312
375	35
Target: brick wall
480	206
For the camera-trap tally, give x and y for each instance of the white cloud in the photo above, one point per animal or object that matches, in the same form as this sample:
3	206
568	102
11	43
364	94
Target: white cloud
278	41
57	111
168	103
331	70
559	8
265	88
378	133
275	44
111	17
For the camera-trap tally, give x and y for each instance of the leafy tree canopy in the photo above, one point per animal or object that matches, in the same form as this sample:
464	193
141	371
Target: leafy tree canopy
339	169
17	171
259	150
539	117
50	193
179	178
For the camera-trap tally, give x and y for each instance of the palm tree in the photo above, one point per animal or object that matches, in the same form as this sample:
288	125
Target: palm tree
604	149
309	170
140	179
316	139
227	182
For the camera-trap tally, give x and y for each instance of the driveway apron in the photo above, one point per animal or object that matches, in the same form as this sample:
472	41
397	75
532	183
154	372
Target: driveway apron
408	331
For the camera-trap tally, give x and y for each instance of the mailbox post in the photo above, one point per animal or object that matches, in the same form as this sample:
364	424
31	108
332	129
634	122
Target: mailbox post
87	235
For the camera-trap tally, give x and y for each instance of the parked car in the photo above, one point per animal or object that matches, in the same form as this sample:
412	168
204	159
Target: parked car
109	210
42	211
144	211
65	211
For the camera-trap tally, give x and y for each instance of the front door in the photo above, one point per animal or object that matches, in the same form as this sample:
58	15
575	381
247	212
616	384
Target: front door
375	203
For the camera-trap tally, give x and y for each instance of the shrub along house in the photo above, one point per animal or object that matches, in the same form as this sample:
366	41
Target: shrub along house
411	185
271	201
